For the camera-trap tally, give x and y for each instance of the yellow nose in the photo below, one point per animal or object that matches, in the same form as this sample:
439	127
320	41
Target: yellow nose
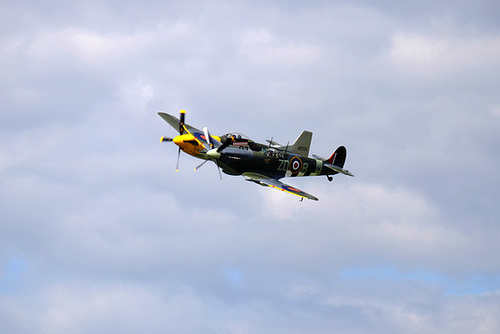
179	140
188	143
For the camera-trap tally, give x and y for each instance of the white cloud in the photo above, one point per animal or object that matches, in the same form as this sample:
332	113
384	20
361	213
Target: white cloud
260	46
495	111
462	314
80	308
392	224
97	47
115	240
81	44
433	55
136	95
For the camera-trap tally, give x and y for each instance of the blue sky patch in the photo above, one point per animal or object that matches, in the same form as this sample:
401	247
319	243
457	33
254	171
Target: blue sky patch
476	283
12	270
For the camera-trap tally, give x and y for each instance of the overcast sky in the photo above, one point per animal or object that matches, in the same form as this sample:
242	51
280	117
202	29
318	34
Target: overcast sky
98	234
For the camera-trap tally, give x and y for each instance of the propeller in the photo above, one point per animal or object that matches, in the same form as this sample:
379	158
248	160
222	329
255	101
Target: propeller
178	156
228	141
199	166
162	139
209	141
181	121
181	131
214	154
208	137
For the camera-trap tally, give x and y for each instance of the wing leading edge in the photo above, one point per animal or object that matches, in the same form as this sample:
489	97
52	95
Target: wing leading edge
199	135
276	184
174	122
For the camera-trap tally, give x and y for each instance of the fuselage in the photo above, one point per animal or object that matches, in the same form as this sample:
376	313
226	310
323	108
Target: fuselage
269	162
246	156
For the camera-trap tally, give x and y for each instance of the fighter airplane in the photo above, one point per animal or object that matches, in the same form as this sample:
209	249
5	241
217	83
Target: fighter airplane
264	164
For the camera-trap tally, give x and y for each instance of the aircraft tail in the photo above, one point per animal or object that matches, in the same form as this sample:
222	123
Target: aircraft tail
338	157
302	144
336	162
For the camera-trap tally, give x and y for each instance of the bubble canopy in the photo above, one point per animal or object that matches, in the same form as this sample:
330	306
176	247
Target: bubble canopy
236	136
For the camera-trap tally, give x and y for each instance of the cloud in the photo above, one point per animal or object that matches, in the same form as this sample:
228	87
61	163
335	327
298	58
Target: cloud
433	55
81	308
259	46
415	318
98	233
400	221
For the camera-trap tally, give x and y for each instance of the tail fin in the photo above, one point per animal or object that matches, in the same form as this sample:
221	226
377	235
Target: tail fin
302	144
338	157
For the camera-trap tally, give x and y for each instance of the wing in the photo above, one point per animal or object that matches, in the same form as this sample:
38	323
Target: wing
174	122
199	135
276	184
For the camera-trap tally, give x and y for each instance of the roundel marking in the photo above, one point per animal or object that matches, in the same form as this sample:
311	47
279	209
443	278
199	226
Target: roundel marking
295	165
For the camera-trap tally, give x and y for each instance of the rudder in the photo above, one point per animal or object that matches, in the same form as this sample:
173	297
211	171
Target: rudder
338	157
302	144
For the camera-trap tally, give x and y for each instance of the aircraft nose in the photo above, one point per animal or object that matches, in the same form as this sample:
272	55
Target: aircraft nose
213	154
177	140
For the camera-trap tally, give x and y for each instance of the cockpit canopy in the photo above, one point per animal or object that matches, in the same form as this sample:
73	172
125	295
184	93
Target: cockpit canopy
237	137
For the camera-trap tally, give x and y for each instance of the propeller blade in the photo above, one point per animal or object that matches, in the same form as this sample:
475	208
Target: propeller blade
216	162
181	121
218	168
225	144
178	156
162	139
208	138
199	166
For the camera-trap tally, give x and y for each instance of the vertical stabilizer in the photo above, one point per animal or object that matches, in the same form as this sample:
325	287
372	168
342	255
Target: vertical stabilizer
302	144
338	157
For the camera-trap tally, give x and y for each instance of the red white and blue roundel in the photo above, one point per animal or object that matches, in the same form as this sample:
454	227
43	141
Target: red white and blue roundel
295	165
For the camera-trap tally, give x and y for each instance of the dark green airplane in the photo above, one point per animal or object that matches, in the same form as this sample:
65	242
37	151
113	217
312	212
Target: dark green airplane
263	164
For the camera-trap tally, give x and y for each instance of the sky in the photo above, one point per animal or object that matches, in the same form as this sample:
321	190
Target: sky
99	234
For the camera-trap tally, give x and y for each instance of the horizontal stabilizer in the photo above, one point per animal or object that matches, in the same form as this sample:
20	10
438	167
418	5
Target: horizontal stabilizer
273	143
337	169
